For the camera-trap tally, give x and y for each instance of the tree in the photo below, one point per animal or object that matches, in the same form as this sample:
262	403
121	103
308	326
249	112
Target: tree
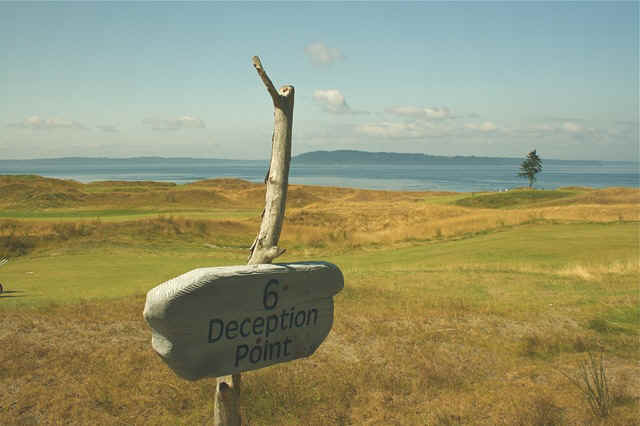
531	166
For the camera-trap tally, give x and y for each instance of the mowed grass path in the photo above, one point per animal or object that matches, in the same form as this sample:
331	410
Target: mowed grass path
118	272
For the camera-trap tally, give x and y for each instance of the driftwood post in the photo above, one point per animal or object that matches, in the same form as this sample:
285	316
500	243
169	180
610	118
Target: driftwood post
265	247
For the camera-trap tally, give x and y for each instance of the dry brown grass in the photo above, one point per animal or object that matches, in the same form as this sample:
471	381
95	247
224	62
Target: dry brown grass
316	216
92	363
19	238
616	195
83	364
587	272
381	223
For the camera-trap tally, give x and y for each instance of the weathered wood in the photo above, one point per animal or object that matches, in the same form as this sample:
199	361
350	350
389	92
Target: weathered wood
265	247
227	402
265	78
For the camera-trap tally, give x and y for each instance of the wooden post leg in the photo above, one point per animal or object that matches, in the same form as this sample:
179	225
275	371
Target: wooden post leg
227	404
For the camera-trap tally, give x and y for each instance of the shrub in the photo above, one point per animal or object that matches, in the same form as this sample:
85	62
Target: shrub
593	382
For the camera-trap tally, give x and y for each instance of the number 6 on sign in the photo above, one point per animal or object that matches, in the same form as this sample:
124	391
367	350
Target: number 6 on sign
268	294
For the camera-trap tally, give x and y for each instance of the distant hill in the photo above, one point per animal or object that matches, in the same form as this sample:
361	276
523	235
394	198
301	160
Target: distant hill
346	156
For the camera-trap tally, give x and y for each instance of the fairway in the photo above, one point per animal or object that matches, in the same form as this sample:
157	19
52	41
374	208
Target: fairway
450	314
118	272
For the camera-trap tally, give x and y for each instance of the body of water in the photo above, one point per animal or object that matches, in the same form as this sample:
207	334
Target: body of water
448	175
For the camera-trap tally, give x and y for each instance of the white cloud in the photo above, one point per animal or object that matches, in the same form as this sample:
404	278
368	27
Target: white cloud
572	127
108	128
557	128
421	112
487	126
38	123
392	130
628	129
184	122
544	127
332	101
190	122
320	54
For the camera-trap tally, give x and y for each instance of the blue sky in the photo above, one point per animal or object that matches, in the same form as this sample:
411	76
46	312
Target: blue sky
175	79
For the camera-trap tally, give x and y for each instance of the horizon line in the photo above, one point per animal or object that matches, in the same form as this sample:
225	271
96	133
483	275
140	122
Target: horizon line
160	157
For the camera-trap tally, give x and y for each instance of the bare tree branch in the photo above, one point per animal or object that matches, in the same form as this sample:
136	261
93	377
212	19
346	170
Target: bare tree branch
265	246
265	78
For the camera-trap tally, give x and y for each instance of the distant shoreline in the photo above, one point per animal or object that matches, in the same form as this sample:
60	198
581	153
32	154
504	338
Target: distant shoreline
386	171
368	157
327	157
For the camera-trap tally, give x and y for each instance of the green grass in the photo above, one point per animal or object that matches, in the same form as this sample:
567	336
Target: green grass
445	199
100	273
478	268
541	245
512	199
621	319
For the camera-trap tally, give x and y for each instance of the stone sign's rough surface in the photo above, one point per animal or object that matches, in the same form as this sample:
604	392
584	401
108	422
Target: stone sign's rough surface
211	322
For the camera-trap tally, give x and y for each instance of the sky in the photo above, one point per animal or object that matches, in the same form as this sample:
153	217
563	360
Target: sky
441	78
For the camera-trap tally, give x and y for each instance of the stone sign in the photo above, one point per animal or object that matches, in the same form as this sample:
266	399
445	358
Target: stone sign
211	322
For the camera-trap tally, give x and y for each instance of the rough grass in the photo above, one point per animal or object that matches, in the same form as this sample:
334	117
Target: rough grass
450	314
511	199
523	198
340	218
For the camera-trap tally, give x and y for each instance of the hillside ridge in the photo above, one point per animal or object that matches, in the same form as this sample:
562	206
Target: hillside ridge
350	156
